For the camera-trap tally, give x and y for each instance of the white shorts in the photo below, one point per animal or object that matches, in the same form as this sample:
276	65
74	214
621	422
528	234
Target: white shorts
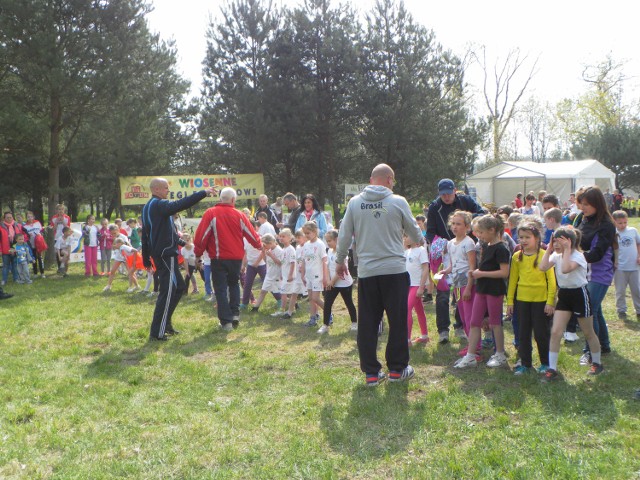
299	287
315	284
287	288
271	285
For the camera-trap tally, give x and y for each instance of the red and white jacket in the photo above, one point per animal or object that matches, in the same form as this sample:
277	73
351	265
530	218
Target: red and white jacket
221	231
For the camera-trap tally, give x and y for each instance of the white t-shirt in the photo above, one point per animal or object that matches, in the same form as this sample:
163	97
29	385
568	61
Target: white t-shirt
93	235
628	241
415	257
33	229
273	269
121	254
206	259
67	243
288	257
189	255
459	260
265	228
252	253
574	279
345	280
313	253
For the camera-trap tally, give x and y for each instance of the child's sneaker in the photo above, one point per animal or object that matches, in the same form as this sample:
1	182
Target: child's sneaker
255	308
596	369
459	333
550	375
521	370
279	313
570	337
402	376
542	368
463	352
466	362
107	288
132	289
312	322
585	359
375	379
497	360
443	337
427	298
421	339
354	327
287	316
323	329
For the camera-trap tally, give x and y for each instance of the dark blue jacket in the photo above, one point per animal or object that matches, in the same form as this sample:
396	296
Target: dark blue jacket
159	236
438	215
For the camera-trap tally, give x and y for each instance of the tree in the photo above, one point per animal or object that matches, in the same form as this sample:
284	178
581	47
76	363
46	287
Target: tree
538	125
617	147
502	94
76	63
412	102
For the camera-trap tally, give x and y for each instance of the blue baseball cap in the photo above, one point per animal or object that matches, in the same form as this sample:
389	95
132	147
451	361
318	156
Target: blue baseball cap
446	186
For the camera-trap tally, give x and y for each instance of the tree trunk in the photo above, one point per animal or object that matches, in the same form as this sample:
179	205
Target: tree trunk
54	154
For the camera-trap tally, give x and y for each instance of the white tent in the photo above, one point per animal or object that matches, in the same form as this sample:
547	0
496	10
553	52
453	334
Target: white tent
500	183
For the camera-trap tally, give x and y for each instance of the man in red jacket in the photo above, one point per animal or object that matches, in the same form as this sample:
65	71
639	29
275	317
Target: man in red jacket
220	233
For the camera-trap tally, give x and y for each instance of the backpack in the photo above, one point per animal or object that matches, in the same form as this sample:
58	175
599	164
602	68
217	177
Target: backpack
40	243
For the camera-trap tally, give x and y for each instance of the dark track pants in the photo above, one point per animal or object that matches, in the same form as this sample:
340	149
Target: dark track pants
172	287
376	295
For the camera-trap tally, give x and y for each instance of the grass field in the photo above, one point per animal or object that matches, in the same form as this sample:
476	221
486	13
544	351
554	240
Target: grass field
85	396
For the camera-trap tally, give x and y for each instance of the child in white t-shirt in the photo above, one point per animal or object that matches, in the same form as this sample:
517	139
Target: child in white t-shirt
63	245
288	287
314	269
342	285
273	278
122	250
189	255
573	297
417	263
628	271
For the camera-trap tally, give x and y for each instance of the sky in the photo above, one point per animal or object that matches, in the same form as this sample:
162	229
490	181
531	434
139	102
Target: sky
564	35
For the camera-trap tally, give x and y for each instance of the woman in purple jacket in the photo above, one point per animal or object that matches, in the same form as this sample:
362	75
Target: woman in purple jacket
598	242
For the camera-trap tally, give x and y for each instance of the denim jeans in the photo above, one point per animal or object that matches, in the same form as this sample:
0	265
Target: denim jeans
225	275
207	280
597	292
9	264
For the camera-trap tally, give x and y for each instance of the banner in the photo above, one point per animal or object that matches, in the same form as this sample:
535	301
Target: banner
352	189
135	190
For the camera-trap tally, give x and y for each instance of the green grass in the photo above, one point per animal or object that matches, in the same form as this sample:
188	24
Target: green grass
85	396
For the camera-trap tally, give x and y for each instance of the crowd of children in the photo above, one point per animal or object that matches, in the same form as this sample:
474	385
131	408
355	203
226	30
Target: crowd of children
537	256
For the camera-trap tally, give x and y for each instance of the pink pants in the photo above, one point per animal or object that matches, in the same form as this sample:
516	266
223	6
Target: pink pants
483	303
415	303
90	260
465	308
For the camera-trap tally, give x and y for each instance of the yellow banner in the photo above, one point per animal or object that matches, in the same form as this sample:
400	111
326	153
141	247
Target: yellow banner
135	190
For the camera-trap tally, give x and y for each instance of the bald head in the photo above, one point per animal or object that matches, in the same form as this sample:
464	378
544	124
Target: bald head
382	174
159	187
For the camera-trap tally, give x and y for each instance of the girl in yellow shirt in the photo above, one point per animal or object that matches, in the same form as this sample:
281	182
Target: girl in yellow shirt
532	293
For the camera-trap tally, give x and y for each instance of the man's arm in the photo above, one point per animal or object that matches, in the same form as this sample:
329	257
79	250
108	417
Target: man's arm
432	223
171	208
345	235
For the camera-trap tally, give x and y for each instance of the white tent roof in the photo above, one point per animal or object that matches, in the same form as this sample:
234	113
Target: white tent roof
570	169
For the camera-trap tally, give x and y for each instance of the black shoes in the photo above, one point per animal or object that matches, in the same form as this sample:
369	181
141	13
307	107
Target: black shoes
164	338
4	296
171	331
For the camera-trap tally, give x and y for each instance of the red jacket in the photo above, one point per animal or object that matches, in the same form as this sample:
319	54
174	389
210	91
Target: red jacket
8	234
221	231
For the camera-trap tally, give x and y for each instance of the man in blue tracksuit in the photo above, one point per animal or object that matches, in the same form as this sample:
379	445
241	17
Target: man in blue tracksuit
160	242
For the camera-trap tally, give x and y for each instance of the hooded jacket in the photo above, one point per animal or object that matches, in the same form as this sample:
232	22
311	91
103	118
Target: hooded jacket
377	218
438	215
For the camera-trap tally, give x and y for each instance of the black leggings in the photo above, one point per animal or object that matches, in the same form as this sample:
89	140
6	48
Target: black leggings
38	264
347	296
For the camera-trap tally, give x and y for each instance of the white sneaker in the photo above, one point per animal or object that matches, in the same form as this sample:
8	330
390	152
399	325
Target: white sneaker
278	313
443	337
324	329
571	337
42	275
459	332
497	360
466	362
132	289
227	327
107	288
354	327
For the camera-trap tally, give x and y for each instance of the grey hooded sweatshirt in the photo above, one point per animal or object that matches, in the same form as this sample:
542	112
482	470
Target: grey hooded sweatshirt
376	219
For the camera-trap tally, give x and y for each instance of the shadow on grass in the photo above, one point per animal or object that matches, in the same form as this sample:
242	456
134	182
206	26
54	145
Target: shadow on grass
593	401
378	422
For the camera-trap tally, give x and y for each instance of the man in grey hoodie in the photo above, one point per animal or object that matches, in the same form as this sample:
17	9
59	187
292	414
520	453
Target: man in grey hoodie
377	219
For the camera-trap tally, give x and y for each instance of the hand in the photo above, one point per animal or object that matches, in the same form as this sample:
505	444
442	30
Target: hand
211	191
510	309
341	269
549	310
477	274
466	294
419	292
